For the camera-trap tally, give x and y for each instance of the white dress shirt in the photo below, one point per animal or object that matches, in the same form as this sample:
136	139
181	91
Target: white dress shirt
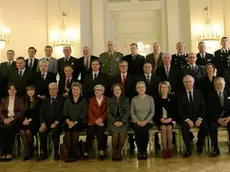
23	70
99	101
11	107
122	75
45	74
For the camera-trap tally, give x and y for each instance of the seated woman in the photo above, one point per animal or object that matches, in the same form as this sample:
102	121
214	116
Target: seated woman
118	120
142	112
75	114
30	124
165	108
11	114
97	120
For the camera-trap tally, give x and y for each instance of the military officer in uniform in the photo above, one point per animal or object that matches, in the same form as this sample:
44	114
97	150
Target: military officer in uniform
222	57
203	57
110	61
180	58
196	71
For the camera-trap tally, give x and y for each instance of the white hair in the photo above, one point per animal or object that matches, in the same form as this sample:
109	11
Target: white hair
53	84
188	76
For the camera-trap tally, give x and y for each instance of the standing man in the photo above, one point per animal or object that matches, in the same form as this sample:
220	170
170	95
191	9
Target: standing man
135	61
9	65
180	58
32	62
222	57
53	65
67	60
84	63
203	57
110	60
155	58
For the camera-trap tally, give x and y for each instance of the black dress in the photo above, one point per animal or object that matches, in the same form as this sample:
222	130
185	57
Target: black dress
32	111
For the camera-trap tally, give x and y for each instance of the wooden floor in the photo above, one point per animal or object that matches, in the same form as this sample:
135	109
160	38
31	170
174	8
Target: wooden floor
196	163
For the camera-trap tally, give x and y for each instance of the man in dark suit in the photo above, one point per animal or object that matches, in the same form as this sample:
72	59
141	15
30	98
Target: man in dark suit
203	57
191	109
67	60
51	119
84	63
3	86
155	58
219	113
222	57
21	77
9	65
66	82
196	71
170	73
32	62
135	61
180	58
94	78
42	80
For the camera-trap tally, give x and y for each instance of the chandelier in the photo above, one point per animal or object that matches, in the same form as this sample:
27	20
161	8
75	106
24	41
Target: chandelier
4	36
144	49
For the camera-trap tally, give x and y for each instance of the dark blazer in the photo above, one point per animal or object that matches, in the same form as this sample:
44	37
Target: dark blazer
72	62
135	66
62	84
194	110
214	106
42	86
152	88
89	83
95	111
35	65
129	87
207	86
179	60
150	59
18	108
51	112
175	77
81	66
227	76
21	82
221	61
203	61
5	69
3	86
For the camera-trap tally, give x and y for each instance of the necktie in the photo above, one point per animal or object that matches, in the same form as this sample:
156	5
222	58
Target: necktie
203	56
190	97
20	73
31	64
68	83
123	80
95	76
148	79
9	64
167	71
221	99
87	64
48	59
43	77
66	60
134	57
52	100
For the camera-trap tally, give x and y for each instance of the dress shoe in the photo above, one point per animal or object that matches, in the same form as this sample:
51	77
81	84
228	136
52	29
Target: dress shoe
3	159
8	159
26	157
68	160
215	153
145	155
85	157
165	154
199	150
56	157
187	154
42	157
101	157
140	156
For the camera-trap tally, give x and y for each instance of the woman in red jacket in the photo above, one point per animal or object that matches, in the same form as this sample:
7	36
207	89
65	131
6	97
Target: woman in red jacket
97	120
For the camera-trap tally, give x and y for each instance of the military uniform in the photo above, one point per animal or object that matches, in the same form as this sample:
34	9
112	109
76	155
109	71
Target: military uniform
179	60
110	63
221	61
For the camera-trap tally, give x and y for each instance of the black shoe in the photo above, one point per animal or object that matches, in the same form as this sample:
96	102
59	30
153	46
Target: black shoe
42	157
27	157
8	159
56	157
215	153
85	157
2	159
68	160
140	156
101	157
199	150
187	154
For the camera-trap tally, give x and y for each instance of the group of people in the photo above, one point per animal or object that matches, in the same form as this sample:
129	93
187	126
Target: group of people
117	93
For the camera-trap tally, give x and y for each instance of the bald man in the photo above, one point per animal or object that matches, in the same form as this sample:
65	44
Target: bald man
196	71
155	58
180	58
110	60
84	63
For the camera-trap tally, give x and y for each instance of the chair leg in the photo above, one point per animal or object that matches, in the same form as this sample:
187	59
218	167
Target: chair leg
16	145
125	148
178	141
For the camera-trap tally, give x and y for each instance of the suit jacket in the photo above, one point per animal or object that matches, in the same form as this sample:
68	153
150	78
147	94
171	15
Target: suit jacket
135	65
3	86
221	61
5	69
174	78
197	73
42	86
35	65
21	82
53	65
95	111
110	64
129	87
51	112
150	59
152	88
62	84
72	62
227	76
89	83
203	61
216	110
18	108
81	66
207	86
194	110
179	60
